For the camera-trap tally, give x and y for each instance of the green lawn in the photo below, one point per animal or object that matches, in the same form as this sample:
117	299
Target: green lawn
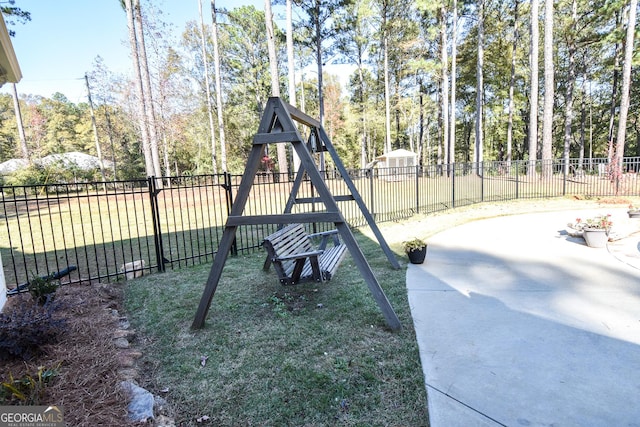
314	354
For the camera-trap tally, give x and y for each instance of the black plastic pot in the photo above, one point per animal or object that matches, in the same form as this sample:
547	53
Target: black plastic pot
417	256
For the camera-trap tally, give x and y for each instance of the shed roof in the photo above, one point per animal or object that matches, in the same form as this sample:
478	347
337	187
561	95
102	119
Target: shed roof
397	153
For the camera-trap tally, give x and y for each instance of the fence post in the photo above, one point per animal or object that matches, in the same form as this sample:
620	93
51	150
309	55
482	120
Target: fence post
481	166
3	286
565	170
453	186
155	215
371	193
517	179
417	189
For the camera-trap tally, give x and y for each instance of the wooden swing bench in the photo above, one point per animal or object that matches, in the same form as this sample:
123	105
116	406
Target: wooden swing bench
294	258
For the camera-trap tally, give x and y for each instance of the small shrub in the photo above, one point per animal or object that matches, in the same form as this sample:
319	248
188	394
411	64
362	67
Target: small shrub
27	328
42	289
56	173
28	389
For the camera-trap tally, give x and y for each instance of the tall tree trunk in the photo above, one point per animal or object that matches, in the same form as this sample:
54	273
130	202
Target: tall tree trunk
164	128
291	69
444	87
291	72
271	50
571	82
427	145
216	69
614	89
533	95
480	87
142	109
590	132
363	137
95	130
438	133
318	39
547	116
396	110
512	84
147	93
637	128
110	135
454	55
21	135
468	130
421	125
165	155
275	80
626	85
212	128
583	124
387	96
303	105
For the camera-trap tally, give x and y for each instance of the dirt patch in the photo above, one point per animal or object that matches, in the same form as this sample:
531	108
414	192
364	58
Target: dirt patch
294	300
84	357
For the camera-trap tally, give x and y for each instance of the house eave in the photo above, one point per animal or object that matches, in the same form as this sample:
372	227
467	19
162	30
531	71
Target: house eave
9	68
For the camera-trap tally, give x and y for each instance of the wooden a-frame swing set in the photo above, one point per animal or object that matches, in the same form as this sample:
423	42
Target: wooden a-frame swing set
277	126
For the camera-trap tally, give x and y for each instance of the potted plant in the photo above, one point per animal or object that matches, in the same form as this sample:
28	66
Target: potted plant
416	250
594	230
634	211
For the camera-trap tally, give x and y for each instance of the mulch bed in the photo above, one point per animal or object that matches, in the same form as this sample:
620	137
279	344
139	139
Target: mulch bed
89	369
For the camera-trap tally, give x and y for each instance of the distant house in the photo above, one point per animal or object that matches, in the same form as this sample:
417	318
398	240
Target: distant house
71	160
12	165
397	165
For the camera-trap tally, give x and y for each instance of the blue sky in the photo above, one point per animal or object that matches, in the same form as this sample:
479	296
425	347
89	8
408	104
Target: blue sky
60	43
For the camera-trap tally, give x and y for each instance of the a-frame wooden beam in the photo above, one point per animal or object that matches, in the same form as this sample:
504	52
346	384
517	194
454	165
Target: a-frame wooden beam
280	113
253	163
355	195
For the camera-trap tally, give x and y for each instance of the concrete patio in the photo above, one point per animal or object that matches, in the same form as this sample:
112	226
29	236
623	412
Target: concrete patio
519	324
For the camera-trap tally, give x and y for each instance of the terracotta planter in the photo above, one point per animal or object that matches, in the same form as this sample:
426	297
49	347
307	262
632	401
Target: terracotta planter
595	237
417	256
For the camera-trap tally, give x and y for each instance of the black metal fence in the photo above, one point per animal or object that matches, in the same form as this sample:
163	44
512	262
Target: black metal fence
111	230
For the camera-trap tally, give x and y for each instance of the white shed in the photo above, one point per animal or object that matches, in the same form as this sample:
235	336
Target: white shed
397	165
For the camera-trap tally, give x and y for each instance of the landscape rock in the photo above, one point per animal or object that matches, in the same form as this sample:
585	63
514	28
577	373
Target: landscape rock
140	407
121	343
123	333
124	323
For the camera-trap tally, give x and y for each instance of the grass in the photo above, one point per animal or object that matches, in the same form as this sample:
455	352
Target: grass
314	354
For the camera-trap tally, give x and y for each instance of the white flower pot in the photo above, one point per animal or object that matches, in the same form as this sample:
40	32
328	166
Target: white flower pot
595	237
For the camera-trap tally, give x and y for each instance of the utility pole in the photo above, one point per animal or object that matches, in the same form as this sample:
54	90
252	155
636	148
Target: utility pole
23	139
